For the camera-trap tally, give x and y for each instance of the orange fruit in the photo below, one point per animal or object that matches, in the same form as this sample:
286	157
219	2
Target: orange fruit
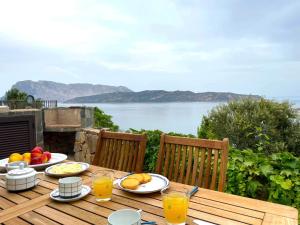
15	157
27	157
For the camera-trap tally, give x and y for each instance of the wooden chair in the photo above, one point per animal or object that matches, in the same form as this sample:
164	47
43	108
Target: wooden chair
193	161
120	151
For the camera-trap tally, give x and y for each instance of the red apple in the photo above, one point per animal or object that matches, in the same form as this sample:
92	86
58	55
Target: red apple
48	154
37	149
37	152
36	160
36	155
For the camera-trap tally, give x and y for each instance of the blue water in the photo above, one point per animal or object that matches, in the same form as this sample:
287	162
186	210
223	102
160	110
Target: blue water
178	117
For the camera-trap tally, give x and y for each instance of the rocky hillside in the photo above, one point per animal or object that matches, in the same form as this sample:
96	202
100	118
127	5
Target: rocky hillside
62	92
160	96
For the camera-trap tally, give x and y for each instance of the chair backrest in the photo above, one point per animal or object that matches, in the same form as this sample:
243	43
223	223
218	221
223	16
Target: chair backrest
120	151
193	161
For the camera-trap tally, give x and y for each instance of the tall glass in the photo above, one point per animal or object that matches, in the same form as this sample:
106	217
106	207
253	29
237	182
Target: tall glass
102	184
175	205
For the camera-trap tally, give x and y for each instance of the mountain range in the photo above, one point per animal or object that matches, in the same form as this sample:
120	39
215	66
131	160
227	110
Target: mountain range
98	93
49	90
160	96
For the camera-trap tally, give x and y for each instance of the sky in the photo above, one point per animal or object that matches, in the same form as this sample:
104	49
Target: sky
249	47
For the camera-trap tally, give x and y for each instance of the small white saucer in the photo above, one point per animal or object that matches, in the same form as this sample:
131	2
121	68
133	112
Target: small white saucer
84	192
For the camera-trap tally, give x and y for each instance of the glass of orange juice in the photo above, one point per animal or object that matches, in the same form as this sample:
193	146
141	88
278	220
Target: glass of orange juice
175	205
102	183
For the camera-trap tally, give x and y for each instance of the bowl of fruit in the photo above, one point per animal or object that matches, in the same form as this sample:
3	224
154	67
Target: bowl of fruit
37	158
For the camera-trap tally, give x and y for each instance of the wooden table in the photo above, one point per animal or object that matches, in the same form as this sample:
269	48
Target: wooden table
35	207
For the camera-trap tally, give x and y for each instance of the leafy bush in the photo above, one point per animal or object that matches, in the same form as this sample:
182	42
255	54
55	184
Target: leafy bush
275	178
15	94
263	125
152	148
103	120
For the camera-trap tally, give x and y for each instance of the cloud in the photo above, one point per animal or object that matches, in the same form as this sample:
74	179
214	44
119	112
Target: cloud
170	44
61	25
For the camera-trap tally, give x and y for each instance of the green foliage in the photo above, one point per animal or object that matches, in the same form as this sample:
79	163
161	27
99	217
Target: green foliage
152	148
275	178
38	103
15	94
103	120
263	125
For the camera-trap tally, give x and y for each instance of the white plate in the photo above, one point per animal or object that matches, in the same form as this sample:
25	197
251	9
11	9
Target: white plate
84	166
84	192
202	222
157	183
55	158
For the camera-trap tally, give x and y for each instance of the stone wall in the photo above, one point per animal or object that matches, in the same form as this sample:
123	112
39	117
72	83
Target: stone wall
85	144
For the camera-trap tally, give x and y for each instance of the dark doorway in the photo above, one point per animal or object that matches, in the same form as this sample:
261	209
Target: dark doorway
17	134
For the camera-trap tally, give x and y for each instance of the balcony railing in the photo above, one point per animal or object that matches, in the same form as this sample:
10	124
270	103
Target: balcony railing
37	104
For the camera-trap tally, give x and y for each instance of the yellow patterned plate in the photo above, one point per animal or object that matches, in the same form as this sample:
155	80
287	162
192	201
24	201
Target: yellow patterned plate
67	169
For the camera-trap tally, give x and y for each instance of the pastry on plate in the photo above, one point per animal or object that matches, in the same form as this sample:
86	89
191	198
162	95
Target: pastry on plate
130	183
137	176
147	177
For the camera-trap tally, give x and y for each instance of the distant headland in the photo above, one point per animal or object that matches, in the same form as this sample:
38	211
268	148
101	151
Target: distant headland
98	93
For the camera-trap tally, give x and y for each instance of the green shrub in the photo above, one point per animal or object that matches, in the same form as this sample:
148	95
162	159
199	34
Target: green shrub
15	94
275	178
263	125
102	120
152	148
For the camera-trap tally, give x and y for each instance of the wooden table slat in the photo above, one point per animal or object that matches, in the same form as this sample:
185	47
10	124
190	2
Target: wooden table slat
16	221
249	203
13	197
35	218
58	216
78	213
23	208
228	207
4	203
275	219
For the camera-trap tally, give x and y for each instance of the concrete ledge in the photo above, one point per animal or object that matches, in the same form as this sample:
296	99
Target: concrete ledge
62	129
68	119
4	109
91	130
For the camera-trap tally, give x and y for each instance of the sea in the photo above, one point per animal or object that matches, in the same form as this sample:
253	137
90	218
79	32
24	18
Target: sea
181	117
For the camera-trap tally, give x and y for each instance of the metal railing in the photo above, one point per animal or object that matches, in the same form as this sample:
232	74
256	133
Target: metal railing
38	104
